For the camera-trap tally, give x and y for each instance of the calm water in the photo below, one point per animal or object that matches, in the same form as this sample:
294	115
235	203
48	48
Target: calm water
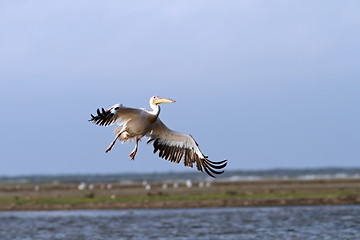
316	222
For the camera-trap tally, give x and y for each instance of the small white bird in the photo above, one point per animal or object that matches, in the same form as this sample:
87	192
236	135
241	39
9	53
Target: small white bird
173	146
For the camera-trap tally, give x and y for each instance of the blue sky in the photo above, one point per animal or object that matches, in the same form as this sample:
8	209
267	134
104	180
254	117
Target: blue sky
264	84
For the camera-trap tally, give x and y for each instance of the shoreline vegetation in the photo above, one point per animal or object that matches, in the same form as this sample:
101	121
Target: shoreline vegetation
71	196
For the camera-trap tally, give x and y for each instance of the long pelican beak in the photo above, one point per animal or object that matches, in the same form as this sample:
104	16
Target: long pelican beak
163	100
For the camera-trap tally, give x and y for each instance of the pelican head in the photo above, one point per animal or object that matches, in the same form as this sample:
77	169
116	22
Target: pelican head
155	100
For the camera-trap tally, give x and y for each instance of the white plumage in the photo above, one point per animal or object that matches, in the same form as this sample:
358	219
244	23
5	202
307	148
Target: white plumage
173	146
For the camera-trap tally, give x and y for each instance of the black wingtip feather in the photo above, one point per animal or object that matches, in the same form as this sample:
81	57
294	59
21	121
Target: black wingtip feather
103	117
216	162
207	171
210	166
216	165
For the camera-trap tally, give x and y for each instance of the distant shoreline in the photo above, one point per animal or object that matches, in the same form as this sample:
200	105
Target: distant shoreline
14	197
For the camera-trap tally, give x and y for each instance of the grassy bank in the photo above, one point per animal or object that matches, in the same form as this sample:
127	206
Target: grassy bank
219	194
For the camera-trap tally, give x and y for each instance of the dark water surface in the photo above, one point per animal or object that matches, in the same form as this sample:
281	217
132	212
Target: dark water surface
314	222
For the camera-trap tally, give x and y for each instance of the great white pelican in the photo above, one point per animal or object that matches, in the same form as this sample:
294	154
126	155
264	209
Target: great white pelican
173	146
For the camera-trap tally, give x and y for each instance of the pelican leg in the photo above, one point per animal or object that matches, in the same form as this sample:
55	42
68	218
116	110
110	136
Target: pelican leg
113	142
134	151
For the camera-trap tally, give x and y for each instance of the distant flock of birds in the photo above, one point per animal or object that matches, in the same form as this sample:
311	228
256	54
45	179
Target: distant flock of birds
147	186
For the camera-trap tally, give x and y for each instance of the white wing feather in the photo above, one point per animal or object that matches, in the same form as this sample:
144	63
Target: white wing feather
115	113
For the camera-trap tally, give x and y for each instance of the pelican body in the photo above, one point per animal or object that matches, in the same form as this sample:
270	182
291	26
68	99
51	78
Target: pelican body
173	146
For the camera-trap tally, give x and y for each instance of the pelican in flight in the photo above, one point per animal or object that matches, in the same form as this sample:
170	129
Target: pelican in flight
173	146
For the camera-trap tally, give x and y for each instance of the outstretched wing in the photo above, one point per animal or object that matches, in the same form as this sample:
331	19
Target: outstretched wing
113	114
175	146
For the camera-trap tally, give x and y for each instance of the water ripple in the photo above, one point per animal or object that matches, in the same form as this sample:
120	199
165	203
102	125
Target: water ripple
270	223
